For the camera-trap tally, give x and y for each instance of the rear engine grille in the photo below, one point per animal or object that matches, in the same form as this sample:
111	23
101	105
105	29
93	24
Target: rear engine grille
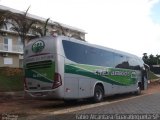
40	64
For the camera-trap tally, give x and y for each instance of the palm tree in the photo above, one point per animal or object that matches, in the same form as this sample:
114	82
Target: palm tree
21	24
2	22
61	28
3	18
41	30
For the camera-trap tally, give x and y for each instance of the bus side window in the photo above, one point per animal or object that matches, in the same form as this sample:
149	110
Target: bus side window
91	56
75	52
99	57
121	61
108	59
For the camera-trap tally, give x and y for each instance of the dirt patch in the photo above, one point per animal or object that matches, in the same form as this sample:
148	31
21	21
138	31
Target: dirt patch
153	87
11	79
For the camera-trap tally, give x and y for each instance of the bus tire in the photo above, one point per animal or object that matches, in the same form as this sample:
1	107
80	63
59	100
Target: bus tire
98	93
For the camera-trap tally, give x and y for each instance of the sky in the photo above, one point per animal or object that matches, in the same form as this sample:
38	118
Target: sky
128	25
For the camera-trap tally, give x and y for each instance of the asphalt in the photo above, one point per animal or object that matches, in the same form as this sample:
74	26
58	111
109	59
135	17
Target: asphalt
137	108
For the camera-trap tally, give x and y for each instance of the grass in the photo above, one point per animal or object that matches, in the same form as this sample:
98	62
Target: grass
11	79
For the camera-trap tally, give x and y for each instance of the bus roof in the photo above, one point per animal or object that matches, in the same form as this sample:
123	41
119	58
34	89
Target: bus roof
88	44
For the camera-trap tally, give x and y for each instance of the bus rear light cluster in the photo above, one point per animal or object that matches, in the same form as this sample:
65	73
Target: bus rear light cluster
57	81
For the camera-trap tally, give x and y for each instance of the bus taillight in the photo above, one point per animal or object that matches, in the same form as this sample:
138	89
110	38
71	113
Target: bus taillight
57	81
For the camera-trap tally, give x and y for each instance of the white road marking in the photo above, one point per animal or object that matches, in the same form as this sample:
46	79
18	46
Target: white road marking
83	107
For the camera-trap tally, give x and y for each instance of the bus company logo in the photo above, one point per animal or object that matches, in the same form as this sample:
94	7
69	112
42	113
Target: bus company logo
38	46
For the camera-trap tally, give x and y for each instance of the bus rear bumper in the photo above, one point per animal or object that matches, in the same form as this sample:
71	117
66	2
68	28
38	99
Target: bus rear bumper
43	94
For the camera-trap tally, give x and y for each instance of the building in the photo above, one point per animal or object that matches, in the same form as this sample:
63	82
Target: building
11	47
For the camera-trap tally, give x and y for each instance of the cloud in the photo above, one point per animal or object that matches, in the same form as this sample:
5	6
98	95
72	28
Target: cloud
120	24
127	26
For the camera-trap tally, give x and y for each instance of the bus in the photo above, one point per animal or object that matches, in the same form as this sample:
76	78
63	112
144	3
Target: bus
66	68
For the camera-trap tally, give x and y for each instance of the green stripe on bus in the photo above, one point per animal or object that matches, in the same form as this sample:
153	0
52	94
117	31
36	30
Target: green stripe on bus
37	76
42	74
89	71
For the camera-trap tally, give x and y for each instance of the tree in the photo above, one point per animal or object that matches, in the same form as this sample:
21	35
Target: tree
3	18
41	30
151	56
21	24
158	59
151	59
61	28
2	22
145	58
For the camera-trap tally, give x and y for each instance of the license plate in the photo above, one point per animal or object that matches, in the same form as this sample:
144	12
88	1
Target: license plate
38	94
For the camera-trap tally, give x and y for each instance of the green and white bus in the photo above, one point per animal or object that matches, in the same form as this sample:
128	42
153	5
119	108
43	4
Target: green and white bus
67	68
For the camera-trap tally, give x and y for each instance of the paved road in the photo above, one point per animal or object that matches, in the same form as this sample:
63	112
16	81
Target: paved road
148	106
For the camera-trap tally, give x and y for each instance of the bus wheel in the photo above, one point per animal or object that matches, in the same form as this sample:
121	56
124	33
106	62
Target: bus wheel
98	93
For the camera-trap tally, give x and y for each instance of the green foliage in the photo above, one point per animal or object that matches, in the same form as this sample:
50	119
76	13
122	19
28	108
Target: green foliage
3	18
21	24
40	30
11	80
151	59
